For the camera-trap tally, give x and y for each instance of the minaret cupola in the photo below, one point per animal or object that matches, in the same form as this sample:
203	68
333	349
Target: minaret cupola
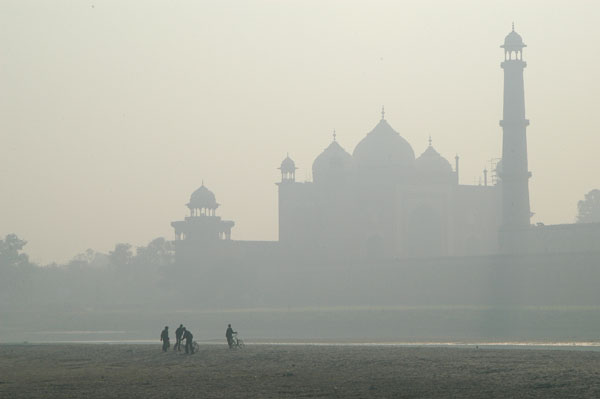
513	45
288	170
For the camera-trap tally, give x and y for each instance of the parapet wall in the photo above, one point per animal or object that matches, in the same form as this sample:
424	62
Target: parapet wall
560	238
566	279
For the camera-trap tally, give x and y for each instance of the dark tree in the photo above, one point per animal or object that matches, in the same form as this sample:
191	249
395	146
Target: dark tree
10	249
589	208
159	252
15	273
121	256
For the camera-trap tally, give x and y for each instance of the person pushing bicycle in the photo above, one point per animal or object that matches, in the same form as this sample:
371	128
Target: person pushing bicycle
229	335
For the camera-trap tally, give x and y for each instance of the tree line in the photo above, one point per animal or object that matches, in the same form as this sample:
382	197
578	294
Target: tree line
90	279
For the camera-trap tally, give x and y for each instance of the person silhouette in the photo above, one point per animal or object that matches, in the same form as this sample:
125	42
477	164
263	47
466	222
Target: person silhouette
178	334
164	337
188	336
229	335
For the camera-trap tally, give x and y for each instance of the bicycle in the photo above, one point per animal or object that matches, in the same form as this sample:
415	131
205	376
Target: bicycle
236	342
195	346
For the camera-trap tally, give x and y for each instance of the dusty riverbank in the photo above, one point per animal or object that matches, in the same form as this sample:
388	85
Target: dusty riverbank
283	371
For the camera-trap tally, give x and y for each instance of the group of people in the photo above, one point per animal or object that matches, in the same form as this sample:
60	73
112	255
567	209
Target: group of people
183	333
180	334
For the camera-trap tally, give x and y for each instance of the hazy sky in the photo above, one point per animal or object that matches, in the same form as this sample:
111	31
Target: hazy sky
113	112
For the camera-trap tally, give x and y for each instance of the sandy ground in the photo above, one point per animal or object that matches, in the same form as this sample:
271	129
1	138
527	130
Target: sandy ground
278	371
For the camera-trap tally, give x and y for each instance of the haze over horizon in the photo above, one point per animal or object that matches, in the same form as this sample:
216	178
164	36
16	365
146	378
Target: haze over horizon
113	113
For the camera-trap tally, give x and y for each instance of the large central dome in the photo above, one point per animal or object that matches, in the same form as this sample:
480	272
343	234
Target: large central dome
384	148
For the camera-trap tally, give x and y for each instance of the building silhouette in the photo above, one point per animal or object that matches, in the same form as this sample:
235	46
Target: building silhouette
383	202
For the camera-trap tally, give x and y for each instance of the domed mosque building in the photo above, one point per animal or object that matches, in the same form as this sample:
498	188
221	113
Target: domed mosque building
378	202
382	202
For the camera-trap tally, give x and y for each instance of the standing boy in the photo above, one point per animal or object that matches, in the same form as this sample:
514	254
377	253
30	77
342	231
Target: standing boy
164	337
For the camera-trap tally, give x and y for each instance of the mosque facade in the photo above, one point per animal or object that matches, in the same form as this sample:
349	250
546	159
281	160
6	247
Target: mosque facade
383	201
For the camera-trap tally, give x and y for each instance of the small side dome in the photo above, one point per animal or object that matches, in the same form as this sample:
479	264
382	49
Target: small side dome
203	198
288	165
334	163
384	148
431	166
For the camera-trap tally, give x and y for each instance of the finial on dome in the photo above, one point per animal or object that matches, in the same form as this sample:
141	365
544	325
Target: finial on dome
202	182
513	26
382	112
430	140
334	135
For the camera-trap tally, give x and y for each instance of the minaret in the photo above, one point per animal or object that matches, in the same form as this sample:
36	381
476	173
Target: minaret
515	175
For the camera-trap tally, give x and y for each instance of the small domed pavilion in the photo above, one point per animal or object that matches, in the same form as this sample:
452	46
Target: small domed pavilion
203	225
